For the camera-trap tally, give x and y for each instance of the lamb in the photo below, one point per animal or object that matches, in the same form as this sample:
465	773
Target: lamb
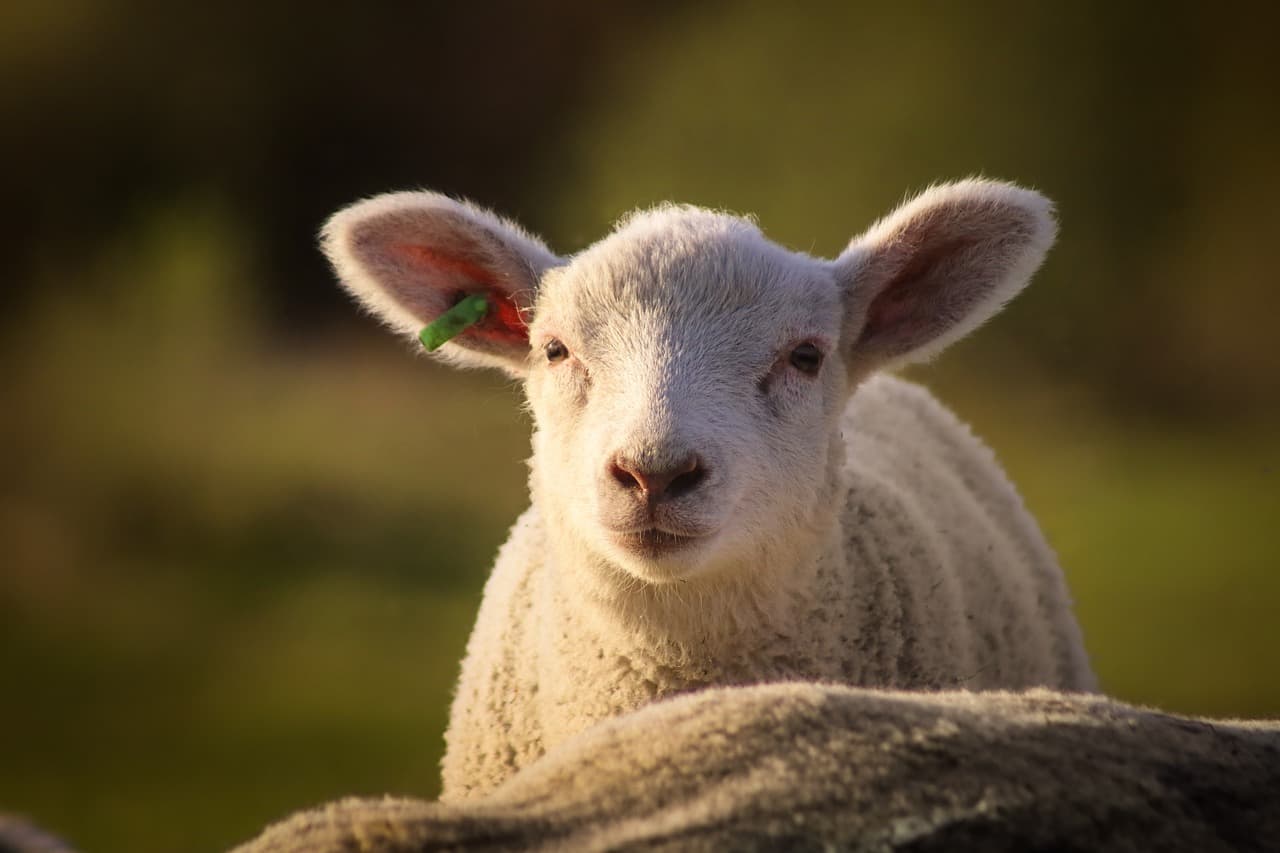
725	487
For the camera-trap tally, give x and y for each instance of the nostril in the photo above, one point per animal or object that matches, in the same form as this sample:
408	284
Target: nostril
690	476
661	485
624	478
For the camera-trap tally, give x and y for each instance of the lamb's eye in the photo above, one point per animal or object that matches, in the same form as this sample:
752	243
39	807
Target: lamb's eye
556	351
806	358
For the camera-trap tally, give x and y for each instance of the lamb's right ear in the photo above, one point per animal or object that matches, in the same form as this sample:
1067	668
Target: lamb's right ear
410	256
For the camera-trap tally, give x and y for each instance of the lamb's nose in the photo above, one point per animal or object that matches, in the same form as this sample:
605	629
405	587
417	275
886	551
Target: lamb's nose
659	484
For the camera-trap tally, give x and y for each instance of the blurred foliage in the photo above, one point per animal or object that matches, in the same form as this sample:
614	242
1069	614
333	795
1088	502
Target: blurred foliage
243	535
1153	127
238	578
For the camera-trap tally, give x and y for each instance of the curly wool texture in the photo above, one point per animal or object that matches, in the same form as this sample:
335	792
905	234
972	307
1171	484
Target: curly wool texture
934	577
807	766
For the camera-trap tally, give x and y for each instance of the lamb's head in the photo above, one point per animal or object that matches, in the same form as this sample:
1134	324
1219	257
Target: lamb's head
686	375
682	402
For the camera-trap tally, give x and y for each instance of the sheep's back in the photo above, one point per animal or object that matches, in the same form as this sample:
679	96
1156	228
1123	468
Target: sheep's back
955	580
811	766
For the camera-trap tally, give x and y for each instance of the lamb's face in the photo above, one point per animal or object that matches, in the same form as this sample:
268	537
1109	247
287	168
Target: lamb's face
685	384
686	374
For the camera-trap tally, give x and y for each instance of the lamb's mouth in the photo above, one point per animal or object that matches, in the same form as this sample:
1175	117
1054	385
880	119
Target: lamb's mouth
653	542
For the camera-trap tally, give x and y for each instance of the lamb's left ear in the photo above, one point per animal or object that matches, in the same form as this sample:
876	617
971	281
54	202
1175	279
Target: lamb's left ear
937	267
410	256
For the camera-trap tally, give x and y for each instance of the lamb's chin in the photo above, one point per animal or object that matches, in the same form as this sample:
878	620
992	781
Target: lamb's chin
659	557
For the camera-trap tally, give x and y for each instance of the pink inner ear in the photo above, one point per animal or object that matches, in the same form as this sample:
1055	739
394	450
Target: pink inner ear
912	304
890	310
503	322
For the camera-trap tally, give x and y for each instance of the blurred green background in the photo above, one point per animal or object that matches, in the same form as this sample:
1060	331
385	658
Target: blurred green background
243	532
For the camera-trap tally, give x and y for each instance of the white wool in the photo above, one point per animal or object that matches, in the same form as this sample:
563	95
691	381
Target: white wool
935	576
710	505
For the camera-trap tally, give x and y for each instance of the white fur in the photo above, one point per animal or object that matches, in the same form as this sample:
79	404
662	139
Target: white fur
869	540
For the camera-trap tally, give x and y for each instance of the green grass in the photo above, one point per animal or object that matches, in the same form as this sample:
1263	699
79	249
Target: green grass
214	728
237	580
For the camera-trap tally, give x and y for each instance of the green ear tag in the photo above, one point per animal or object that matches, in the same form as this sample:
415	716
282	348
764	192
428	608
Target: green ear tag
451	323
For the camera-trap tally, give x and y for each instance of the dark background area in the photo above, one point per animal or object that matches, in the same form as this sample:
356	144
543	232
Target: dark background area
243	532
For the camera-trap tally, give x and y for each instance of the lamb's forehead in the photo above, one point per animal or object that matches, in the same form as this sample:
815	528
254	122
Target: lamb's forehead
685	258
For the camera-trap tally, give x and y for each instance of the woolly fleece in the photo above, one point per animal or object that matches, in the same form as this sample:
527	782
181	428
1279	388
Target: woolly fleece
936	577
815	767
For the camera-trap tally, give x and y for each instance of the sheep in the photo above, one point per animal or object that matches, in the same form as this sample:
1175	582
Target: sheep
725	487
824	767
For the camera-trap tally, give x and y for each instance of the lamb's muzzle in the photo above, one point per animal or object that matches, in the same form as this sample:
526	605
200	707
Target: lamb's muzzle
658	484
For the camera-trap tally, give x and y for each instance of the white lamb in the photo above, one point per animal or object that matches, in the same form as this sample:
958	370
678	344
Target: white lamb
710	505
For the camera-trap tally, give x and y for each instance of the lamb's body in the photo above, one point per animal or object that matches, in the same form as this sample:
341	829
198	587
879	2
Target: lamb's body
934	576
